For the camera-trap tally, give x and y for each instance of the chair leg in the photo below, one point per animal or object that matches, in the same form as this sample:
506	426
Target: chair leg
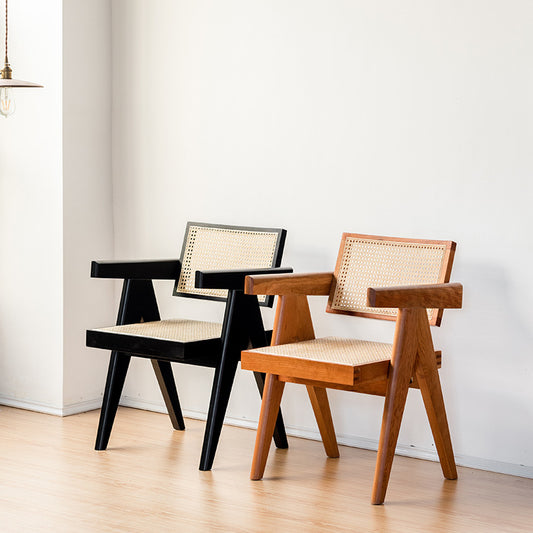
222	383
116	375
319	401
280	436
258	338
267	419
402	367
165	379
429	383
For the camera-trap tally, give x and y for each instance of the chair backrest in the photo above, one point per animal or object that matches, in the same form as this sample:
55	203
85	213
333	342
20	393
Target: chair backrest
371	261
220	247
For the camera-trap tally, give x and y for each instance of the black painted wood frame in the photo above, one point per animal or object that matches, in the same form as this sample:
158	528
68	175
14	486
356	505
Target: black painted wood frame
242	328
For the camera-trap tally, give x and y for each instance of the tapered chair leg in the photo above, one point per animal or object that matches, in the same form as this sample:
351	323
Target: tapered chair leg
280	435
429	383
258	338
165	379
267	420
220	394
320	403
401	371
116	375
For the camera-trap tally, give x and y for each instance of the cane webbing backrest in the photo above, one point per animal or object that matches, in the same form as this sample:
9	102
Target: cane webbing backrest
369	261
218	247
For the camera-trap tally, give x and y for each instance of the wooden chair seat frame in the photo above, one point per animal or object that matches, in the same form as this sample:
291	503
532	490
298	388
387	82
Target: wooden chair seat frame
414	364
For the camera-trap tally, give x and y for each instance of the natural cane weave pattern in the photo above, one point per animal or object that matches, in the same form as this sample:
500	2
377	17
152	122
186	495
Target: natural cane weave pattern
351	352
172	330
216	248
368	263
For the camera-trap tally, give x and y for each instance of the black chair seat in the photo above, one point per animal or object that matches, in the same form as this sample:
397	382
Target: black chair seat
183	341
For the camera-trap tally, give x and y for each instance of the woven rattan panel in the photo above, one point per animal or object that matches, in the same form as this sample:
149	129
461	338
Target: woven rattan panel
213	248
172	330
383	263
351	352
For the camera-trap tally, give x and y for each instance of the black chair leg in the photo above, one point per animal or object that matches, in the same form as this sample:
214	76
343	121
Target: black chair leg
165	379
222	384
280	436
116	375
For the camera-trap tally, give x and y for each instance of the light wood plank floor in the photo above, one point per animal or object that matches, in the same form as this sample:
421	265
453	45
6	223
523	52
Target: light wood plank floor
147	481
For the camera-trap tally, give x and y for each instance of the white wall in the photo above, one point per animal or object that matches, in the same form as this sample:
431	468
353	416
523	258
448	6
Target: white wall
55	205
31	365
87	194
407	118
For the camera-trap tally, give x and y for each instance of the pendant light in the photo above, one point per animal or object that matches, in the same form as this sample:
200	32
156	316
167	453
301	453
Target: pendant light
7	101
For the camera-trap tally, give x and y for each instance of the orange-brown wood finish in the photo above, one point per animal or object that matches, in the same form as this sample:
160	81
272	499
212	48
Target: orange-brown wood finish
401	370
319	401
292	321
312	284
429	383
414	364
305	368
443	295
272	394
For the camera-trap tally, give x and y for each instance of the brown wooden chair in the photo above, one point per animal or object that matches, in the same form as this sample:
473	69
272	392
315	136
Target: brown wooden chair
405	280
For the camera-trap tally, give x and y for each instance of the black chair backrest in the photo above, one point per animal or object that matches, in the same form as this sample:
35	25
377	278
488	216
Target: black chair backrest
221	247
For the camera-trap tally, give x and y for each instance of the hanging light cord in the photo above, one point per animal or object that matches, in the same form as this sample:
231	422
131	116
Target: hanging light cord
6	33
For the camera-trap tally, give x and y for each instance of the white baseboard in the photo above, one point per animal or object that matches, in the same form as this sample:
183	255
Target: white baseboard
355	442
81	407
71	409
347	440
31	406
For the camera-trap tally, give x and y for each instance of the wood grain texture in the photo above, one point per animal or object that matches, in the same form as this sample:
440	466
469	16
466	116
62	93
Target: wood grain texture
272	394
402	366
429	383
312	284
434	296
320	404
301	368
292	321
53	482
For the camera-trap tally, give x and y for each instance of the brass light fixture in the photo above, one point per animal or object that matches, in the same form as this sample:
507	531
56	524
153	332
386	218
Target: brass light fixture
7	83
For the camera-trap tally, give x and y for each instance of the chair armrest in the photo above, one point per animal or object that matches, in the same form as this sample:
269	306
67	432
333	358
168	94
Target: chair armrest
318	283
433	296
161	269
230	279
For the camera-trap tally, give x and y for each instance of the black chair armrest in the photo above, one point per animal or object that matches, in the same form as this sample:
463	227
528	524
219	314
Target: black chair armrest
232	279
159	269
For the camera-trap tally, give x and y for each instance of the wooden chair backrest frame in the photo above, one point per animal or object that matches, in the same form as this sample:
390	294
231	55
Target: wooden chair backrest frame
372	261
222	247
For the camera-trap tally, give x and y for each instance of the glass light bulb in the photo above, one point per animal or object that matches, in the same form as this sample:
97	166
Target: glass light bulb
7	101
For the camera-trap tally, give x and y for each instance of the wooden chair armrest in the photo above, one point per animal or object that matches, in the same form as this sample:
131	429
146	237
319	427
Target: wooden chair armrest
433	296
318	283
231	279
147	269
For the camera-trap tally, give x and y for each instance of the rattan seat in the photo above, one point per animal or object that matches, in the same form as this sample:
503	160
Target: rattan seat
214	262
176	330
337	350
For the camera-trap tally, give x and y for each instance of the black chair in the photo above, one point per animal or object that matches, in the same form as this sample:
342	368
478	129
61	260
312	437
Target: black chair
214	262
